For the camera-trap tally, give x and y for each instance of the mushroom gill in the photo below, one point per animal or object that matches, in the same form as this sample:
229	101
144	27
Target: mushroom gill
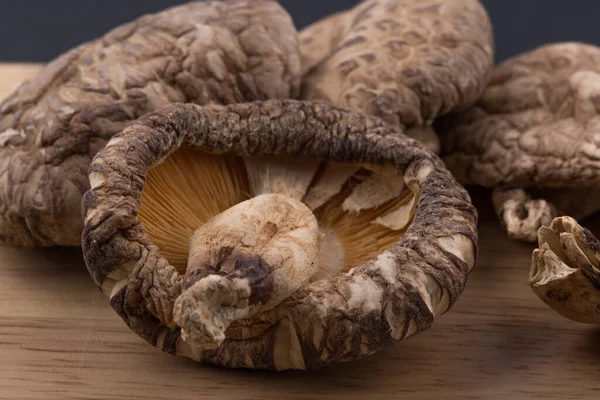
190	187
362	235
243	239
183	193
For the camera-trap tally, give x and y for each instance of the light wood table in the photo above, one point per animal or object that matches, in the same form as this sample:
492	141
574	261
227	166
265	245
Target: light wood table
11	75
59	339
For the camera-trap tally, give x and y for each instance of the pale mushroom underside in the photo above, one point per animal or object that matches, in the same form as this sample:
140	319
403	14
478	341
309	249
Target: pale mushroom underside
191	187
192	190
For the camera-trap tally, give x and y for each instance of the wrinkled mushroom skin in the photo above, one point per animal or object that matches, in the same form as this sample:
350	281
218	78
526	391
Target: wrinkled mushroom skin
386	299
52	126
405	61
565	270
535	129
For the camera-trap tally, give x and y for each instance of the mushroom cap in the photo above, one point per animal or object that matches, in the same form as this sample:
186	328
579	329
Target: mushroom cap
320	38
405	61
536	124
386	299
50	128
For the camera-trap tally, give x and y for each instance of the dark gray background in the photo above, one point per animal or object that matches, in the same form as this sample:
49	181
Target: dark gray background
39	30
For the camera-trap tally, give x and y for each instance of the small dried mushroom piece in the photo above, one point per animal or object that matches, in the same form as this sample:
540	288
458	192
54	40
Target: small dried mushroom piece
522	215
565	270
405	61
533	137
50	128
201	264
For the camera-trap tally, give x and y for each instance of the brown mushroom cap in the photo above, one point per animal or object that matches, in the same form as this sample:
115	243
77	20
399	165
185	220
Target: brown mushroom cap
389	297
50	128
320	38
405	61
536	128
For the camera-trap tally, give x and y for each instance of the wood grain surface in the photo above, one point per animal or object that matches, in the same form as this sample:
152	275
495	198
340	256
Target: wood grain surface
59	339
11	75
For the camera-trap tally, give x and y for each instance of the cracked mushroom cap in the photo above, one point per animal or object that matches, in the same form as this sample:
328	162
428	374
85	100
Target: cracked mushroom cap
202	262
565	270
52	126
533	137
405	61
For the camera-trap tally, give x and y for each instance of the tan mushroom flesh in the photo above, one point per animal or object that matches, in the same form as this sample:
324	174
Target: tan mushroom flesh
206	252
565	270
533	137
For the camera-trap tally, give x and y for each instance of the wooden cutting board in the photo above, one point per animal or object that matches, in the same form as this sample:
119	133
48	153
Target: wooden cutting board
59	339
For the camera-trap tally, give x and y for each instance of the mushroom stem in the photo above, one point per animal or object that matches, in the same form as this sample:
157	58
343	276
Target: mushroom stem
520	214
245	260
285	175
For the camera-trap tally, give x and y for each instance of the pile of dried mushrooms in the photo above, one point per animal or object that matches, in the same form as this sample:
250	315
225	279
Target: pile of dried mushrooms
253	196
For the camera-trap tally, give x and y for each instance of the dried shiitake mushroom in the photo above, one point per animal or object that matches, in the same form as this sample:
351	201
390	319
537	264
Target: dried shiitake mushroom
533	137
405	61
51	127
565	270
206	253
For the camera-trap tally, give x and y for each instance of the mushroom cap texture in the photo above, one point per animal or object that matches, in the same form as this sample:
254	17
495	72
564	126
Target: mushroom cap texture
384	300
52	126
536	124
405	61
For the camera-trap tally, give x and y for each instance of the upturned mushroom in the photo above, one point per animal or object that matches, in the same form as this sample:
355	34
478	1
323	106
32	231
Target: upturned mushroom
533	137
565	270
203	52
204	256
